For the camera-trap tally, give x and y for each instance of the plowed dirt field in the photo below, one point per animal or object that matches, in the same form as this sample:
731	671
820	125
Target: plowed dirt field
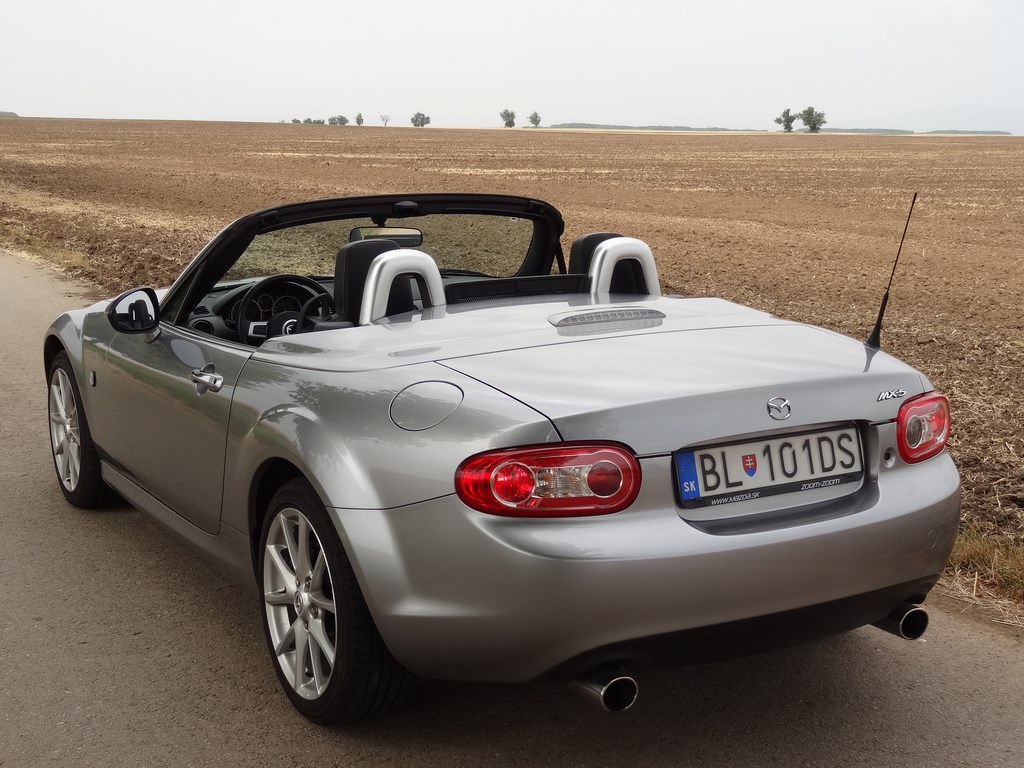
803	226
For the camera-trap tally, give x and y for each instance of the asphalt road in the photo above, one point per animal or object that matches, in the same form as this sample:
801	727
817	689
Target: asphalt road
118	646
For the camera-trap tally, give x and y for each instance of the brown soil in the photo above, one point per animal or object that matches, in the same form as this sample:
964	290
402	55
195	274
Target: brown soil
803	226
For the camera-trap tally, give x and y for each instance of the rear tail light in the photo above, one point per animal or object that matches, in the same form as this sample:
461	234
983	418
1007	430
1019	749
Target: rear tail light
561	480
922	427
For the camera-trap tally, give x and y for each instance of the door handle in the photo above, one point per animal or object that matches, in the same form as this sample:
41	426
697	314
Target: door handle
206	379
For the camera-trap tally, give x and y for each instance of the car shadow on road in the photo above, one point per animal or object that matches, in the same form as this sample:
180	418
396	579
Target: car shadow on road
848	700
803	705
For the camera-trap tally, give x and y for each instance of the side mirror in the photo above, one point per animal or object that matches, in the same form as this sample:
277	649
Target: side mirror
135	311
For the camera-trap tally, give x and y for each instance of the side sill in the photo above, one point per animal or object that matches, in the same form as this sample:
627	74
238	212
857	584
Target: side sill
229	550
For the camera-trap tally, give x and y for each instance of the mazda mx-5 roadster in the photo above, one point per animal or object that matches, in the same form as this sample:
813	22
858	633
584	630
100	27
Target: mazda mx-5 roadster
437	445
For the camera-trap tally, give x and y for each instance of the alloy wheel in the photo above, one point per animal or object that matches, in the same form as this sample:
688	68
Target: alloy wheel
299	600
65	434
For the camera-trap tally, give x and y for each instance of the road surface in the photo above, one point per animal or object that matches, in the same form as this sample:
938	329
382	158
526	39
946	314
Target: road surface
119	646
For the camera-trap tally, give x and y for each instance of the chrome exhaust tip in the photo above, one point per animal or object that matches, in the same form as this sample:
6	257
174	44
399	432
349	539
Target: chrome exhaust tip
611	690
908	621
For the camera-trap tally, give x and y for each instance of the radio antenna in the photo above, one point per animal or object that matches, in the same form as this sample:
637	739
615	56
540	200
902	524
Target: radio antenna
875	339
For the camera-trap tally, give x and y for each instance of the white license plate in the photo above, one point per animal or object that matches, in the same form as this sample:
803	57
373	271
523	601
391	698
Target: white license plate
719	474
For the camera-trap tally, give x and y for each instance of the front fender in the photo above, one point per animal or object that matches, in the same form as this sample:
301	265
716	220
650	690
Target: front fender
77	332
64	333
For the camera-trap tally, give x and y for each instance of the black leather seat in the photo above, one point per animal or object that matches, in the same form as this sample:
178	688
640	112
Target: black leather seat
582	250
351	266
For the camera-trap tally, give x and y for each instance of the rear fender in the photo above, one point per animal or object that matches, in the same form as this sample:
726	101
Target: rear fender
337	430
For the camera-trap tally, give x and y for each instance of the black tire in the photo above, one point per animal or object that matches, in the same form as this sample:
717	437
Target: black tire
68	428
364	680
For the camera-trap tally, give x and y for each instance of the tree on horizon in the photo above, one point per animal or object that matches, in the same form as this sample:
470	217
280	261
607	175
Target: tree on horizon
786	120
813	119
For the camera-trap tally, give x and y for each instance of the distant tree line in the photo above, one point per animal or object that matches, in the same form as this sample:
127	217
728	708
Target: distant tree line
336	120
419	120
8	114
810	117
508	118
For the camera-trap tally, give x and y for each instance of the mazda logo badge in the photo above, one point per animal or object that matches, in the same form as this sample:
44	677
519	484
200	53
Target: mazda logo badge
779	408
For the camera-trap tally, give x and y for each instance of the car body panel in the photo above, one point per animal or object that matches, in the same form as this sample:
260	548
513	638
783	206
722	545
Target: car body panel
180	460
457	606
337	429
680	400
484	327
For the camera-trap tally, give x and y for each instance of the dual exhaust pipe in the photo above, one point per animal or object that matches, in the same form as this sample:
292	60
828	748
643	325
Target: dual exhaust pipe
907	620
609	689
614	691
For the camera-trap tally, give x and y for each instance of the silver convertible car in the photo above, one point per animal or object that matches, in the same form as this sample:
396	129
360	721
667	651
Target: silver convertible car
435	446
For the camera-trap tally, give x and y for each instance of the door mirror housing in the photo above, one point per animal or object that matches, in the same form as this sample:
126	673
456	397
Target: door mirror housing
135	311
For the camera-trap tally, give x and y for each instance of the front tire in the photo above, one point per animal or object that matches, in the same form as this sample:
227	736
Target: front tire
74	454
327	652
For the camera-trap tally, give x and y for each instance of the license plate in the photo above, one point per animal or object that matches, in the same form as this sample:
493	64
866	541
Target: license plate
720	474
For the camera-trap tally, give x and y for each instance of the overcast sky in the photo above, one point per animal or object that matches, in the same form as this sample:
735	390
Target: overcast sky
914	64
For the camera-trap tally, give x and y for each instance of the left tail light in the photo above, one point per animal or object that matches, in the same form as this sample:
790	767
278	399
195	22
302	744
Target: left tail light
571	479
922	427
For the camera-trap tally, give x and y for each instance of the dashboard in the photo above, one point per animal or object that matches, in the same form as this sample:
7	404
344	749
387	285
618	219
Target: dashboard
217	314
265	306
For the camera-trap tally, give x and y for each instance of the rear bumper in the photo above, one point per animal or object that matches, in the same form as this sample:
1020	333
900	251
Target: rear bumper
461	595
746	636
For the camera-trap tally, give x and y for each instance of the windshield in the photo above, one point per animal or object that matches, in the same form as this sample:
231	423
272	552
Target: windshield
490	245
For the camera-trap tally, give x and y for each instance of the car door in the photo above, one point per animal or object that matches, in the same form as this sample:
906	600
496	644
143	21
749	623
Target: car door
172	396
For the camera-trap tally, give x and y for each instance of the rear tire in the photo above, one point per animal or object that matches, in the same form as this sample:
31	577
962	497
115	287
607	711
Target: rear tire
327	652
74	454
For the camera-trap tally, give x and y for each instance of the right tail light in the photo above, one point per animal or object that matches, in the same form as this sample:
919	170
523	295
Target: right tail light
922	427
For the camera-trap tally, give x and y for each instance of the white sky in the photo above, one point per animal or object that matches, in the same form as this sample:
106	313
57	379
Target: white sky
914	64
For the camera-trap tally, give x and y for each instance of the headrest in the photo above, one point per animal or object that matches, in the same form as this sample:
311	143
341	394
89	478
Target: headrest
582	251
351	266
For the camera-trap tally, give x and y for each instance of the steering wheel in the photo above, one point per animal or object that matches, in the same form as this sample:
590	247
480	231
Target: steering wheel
324	305
246	327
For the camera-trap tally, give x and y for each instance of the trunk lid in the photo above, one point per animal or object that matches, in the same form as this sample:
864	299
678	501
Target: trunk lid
665	390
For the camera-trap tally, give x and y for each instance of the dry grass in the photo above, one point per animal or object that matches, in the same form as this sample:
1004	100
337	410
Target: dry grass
967	591
990	565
